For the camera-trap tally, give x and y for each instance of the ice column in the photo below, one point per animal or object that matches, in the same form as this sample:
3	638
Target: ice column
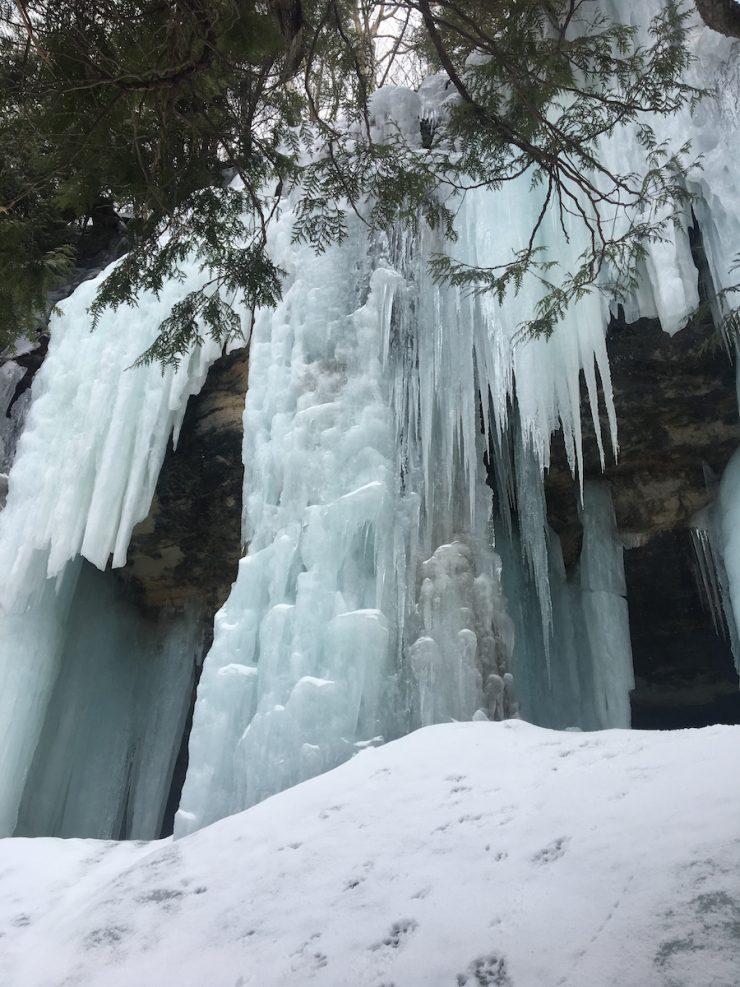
606	648
461	659
727	534
301	668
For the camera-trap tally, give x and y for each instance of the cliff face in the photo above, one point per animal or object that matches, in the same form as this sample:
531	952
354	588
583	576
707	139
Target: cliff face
677	412
678	427
185	553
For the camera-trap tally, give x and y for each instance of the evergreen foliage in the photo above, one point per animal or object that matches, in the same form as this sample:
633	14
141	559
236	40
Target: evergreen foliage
154	103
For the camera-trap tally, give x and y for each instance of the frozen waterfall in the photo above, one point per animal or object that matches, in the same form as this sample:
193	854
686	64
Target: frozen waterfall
86	682
399	569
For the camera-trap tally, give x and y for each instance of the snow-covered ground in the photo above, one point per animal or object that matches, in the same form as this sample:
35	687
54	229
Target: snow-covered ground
464	854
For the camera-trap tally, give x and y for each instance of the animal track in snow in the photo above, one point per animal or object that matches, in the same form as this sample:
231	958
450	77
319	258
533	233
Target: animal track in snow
326	813
397	934
110	936
160	896
485	971
553	851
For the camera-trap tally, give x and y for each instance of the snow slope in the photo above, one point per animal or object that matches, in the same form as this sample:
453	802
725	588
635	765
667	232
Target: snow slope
463	854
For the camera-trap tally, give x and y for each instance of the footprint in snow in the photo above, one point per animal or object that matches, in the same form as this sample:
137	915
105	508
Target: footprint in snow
326	813
397	934
553	851
485	971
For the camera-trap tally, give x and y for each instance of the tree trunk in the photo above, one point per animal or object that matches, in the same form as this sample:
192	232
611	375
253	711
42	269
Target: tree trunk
721	15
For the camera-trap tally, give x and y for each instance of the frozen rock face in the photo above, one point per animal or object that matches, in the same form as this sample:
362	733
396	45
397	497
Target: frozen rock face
678	428
369	599
77	660
186	551
677	406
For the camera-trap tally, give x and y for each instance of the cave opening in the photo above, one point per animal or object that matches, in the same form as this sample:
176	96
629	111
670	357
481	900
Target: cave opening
684	669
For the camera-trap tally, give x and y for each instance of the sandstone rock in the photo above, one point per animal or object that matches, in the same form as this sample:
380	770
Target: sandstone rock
186	551
677	413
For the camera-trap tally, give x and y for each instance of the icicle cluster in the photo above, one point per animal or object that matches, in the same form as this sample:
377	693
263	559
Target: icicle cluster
85	471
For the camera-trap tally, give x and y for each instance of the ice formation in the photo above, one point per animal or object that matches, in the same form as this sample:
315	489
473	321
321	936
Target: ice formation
86	466
384	585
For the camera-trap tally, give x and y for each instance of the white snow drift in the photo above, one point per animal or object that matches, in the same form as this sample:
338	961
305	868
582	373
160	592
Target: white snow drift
465	854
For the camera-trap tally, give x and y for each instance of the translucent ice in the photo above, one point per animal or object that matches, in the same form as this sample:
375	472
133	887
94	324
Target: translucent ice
85	470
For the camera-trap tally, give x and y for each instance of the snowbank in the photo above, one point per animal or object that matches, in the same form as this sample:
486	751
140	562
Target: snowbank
464	854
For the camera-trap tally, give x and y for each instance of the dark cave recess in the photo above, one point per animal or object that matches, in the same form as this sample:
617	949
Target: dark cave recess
684	671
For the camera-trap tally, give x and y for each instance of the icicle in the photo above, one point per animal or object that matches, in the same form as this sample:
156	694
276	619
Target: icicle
95	438
705	570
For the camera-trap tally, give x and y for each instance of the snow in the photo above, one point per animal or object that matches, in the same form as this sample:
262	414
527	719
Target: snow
464	854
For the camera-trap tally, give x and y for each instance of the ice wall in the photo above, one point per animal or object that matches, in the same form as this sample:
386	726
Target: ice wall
85	470
113	725
301	669
369	600
421	394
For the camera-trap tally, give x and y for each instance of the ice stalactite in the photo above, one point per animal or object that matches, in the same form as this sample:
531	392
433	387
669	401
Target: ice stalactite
590	657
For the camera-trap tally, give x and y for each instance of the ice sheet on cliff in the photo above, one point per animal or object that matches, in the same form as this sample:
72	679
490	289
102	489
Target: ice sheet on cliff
84	474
